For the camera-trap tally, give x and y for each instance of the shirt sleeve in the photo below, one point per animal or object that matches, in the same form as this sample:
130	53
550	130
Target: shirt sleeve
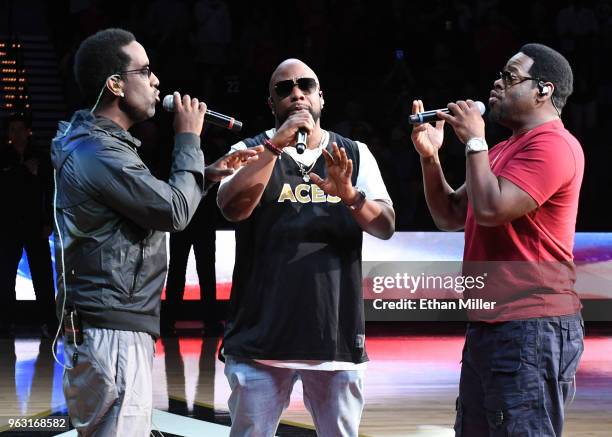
122	181
542	167
369	178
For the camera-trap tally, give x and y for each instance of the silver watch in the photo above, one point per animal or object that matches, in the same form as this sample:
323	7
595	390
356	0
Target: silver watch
476	144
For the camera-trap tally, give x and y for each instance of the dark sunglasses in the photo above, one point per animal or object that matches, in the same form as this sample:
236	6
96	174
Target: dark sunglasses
145	71
306	84
510	79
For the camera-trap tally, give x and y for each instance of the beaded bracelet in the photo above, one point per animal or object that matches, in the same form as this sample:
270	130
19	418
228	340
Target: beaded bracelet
272	148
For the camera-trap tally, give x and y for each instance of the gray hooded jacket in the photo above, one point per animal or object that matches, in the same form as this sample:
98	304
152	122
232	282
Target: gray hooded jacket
112	214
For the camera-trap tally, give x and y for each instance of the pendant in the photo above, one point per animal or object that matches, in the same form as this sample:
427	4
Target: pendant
306	178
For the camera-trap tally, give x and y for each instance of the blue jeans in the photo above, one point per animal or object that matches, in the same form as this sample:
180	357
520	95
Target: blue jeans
517	376
260	394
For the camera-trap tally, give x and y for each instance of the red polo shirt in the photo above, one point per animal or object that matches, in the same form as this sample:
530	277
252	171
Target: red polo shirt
529	262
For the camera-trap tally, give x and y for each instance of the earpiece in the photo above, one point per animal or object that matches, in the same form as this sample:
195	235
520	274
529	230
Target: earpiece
117	86
543	89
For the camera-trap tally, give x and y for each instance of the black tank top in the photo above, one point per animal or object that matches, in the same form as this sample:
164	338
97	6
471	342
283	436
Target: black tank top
296	289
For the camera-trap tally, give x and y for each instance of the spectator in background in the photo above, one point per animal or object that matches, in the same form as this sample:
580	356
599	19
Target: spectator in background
211	40
200	235
576	27
27	188
354	124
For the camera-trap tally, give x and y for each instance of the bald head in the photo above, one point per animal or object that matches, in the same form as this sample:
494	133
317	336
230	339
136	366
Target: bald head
290	69
294	87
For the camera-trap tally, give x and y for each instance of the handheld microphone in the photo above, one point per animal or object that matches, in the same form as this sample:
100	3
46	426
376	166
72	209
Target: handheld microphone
302	140
428	116
211	117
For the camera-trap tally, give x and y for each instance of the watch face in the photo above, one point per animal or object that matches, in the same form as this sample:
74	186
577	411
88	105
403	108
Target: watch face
359	202
476	145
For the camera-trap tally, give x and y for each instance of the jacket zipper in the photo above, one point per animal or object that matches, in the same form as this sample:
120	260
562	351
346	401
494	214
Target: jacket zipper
138	267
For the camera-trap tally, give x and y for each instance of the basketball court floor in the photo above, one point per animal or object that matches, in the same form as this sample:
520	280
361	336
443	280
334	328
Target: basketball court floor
410	388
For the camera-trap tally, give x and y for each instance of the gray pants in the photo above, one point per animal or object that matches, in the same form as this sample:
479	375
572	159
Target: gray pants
109	392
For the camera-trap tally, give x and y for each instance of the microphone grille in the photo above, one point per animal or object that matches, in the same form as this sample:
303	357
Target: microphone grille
481	107
168	103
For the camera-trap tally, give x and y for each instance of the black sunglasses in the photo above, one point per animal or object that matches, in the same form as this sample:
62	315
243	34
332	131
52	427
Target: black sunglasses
145	71
306	84
510	79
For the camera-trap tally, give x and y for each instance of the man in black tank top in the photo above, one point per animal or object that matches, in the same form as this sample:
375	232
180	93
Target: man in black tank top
296	308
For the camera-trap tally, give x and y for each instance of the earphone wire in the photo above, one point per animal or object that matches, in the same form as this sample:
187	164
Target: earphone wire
543	90
63	275
102	92
555	106
61	244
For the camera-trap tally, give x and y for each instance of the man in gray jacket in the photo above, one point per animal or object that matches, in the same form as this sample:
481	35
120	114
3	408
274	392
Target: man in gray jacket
111	214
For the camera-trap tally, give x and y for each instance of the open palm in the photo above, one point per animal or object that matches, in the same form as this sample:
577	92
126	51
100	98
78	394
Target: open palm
226	165
339	170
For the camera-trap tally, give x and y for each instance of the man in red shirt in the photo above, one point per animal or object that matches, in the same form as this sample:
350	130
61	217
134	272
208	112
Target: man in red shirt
518	207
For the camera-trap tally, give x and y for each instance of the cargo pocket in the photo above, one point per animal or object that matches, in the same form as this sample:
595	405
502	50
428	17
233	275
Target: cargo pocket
89	387
572	346
520	421
504	400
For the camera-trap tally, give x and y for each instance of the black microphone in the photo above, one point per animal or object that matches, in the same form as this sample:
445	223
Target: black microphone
211	117
302	140
428	116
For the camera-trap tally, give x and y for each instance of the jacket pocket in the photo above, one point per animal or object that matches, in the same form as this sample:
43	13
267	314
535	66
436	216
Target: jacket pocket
137	269
121	261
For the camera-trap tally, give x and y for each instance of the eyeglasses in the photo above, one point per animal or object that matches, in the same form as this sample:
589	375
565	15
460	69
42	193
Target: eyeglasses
306	84
145	71
511	79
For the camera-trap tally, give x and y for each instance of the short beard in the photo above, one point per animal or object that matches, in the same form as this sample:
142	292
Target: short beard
316	116
134	114
495	116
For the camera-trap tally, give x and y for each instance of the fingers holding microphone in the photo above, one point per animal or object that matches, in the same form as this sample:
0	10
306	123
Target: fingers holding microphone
465	117
188	114
287	132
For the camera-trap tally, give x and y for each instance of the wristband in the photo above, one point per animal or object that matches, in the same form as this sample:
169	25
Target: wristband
272	148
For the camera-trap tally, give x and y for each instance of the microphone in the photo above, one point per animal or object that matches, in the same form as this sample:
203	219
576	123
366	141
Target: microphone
427	116
302	140
211	117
